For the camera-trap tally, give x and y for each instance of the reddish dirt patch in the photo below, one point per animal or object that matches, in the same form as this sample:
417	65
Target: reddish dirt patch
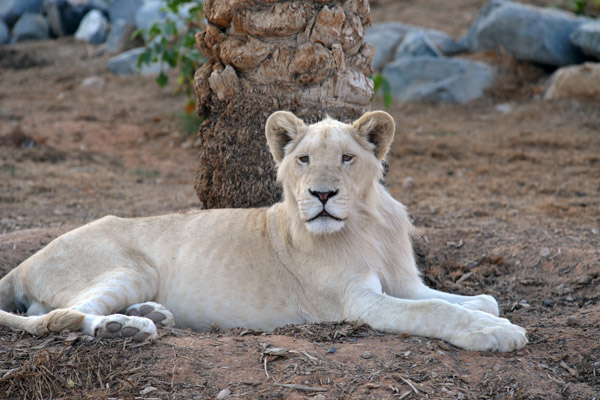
505	203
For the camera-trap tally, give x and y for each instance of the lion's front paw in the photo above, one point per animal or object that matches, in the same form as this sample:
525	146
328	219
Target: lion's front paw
116	325
489	333
484	303
153	311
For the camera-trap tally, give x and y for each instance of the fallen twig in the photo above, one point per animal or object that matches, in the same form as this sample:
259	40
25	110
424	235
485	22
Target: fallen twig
265	363
409	383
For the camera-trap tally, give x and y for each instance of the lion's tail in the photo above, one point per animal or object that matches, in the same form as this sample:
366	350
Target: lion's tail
55	321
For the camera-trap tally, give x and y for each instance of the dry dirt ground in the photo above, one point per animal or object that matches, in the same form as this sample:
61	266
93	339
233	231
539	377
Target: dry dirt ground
506	201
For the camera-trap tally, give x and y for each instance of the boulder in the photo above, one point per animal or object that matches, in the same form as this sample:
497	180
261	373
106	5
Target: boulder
577	81
119	38
587	38
124	9
150	13
4	32
155	11
386	37
126	64
12	10
444	42
417	43
529	33
64	16
438	80
30	27
93	28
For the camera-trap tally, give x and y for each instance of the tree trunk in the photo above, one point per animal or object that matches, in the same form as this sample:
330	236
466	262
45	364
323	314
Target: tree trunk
304	56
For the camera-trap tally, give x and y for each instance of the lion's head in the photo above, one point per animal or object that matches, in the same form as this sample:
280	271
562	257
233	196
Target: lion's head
327	168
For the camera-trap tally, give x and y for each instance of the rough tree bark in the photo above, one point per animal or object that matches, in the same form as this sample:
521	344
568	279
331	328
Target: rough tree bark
305	56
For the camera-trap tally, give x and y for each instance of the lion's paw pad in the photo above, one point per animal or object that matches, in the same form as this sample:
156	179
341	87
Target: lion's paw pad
157	313
112	326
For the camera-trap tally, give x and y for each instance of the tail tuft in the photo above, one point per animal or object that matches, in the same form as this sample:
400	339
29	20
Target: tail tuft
64	319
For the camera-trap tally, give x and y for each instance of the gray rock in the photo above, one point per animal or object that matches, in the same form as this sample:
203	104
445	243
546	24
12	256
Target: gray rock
417	43
119	38
12	10
529	33
438	80
587	38
4	32
386	37
155	11
124	9
444	42
29	27
64	16
150	13
126	64
93	28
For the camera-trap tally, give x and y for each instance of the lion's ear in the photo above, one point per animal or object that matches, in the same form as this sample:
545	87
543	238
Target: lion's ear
377	128
281	128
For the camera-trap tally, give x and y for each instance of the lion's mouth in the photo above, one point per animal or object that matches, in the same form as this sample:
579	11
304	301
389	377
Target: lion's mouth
324	214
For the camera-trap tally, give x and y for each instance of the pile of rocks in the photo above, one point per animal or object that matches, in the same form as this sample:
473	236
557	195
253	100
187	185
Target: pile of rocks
420	67
109	23
421	64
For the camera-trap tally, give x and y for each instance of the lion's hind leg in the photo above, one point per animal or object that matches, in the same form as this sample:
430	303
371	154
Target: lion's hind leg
101	326
118	325
114	293
153	311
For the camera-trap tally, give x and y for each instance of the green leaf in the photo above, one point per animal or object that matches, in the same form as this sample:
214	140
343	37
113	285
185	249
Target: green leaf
376	82
172	43
137	32
189	41
162	79
155	29
187	69
170	28
144	58
381	82
171	56
387	93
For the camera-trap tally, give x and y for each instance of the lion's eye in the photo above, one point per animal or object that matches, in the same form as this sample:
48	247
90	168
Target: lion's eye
303	159
347	158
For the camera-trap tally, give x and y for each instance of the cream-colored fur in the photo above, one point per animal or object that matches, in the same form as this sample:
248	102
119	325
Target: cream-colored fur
337	248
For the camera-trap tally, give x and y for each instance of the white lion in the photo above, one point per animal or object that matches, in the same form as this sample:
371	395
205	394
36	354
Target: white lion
336	248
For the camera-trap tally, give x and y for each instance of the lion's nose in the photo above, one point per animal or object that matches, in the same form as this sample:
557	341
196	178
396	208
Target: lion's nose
323	196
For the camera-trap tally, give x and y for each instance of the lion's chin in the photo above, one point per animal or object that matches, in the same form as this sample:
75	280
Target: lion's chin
324	226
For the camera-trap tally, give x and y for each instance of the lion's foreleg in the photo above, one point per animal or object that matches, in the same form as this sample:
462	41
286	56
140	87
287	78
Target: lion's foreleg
435	318
482	302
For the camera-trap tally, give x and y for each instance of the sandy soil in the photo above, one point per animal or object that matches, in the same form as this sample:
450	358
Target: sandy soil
506	201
